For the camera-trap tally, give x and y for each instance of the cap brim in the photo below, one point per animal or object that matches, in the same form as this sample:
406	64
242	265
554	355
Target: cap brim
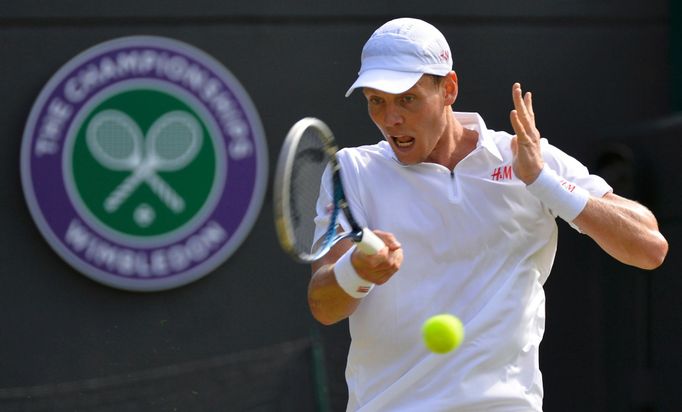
387	81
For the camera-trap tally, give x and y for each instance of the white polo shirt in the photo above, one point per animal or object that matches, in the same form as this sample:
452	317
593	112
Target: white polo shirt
476	244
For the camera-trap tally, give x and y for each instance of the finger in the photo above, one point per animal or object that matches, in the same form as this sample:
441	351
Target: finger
522	137
528	100
524	107
392	264
383	271
517	97
389	239
518	127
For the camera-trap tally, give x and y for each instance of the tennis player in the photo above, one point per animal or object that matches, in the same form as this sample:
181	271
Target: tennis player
468	217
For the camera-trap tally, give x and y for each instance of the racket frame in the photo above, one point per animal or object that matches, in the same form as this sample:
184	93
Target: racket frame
282	197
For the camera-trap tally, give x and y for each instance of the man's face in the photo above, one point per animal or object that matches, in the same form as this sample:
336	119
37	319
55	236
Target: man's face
412	122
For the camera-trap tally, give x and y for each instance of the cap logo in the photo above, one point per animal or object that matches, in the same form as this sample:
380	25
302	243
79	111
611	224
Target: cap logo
144	163
444	56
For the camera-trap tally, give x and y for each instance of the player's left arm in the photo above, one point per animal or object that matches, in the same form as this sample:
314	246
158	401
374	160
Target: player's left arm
623	228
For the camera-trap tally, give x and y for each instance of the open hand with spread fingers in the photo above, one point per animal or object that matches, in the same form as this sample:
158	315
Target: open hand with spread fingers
527	162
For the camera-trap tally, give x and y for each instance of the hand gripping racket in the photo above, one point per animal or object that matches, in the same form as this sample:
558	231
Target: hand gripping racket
308	150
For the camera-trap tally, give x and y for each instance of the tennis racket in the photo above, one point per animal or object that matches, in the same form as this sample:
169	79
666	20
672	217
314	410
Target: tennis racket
308	150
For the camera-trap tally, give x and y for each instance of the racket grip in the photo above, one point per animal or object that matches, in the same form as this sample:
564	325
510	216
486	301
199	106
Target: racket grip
370	243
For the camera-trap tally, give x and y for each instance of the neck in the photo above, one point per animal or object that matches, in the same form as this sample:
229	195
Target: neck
455	144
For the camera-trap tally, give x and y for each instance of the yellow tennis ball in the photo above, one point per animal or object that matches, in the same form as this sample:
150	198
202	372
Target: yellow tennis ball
442	333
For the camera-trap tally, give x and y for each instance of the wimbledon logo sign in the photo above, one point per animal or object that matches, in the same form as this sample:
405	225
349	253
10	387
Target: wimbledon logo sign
144	163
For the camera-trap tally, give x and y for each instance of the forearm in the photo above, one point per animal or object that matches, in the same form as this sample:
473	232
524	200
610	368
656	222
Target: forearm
331	301
328	302
625	230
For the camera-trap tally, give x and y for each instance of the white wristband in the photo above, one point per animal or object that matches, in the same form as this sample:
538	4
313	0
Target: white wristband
348	278
564	198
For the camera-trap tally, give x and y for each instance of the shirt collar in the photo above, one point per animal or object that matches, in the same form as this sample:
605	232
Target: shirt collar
474	121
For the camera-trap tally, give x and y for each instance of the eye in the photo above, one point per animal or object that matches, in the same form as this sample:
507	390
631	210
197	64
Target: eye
374	100
408	98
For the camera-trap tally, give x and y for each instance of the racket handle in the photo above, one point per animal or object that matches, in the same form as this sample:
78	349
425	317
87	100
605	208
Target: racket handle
370	243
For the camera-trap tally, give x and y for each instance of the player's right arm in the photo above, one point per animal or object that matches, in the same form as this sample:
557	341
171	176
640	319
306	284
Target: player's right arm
328	302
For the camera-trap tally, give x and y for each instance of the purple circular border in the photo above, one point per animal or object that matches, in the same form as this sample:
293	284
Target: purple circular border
236	210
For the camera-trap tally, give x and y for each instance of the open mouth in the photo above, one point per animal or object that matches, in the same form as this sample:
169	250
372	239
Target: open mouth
403	141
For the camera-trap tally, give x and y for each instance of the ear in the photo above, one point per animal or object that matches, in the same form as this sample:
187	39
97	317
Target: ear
450	88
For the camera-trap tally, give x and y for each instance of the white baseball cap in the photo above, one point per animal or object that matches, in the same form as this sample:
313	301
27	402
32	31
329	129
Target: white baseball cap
398	53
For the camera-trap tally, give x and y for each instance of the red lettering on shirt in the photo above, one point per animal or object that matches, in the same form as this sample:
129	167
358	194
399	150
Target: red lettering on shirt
502	173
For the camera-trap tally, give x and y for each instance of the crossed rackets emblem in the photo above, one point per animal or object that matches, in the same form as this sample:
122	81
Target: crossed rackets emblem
117	143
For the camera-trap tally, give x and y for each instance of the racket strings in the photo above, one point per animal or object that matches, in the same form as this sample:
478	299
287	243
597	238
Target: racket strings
115	140
309	164
174	141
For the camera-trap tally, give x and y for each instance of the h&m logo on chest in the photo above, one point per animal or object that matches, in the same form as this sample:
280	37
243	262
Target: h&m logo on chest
502	173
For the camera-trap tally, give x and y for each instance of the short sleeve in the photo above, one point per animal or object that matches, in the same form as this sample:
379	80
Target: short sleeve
573	171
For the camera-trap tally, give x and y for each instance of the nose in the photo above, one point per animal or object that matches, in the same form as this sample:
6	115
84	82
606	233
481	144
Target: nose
392	116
